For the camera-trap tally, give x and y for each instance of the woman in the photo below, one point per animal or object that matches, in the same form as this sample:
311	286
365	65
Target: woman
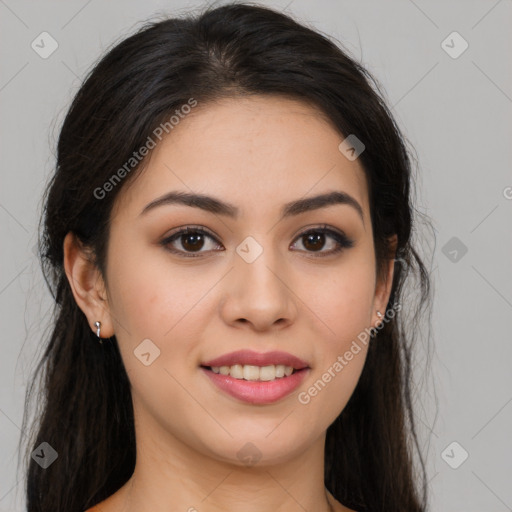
227	236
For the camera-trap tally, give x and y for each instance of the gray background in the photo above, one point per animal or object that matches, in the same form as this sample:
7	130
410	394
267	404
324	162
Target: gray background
456	112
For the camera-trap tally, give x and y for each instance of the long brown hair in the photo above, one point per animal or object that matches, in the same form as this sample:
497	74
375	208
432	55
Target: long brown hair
86	412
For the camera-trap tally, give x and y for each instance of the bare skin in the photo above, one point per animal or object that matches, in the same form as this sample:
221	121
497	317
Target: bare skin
257	154
117	503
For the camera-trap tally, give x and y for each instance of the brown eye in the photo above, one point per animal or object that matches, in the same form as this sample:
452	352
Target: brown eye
314	240
190	240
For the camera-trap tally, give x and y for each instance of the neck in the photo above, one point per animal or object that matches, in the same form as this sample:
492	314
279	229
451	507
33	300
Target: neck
181	478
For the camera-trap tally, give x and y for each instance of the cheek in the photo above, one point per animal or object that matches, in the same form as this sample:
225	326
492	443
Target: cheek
154	302
324	398
343	306
168	306
335	377
343	303
149	296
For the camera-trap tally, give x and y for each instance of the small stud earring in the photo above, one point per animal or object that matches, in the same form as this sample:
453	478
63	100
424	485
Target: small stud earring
98	329
374	329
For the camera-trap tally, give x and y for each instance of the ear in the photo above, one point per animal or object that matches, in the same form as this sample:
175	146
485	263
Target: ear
385	282
87	285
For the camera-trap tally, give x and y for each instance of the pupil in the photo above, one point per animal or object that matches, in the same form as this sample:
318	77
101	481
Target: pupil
315	238
196	243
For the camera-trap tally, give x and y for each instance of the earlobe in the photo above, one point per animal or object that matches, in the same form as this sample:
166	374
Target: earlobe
383	289
87	285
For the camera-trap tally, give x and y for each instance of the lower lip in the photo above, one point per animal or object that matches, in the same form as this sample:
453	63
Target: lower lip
257	392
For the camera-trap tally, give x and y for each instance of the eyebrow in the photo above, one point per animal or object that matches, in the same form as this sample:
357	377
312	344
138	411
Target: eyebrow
213	205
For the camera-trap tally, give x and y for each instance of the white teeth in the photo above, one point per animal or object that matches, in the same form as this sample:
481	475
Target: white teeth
251	372
236	371
267	372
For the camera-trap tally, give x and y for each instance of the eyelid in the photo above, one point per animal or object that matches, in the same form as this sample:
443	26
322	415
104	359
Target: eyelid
183	230
344	242
190	227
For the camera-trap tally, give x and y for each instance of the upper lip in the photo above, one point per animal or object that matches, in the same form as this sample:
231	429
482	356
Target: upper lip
250	357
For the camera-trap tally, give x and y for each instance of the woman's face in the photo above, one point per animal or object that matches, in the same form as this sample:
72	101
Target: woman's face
252	282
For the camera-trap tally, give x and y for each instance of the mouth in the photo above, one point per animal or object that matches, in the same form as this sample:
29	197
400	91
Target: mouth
251	365
256	385
256	378
255	373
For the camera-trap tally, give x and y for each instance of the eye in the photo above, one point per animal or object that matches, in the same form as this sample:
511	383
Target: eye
192	239
315	239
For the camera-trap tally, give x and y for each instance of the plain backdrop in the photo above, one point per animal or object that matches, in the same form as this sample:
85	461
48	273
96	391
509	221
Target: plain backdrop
454	105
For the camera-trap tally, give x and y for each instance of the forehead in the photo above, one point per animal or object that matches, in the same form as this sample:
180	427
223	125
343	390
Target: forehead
256	152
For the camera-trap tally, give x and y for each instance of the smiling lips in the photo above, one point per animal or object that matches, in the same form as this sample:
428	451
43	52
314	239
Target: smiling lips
256	378
251	372
249	357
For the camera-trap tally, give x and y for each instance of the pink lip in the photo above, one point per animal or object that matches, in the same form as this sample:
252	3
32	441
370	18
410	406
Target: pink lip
257	392
254	358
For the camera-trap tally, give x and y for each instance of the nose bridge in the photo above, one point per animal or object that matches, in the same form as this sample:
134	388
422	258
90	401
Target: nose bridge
258	292
257	263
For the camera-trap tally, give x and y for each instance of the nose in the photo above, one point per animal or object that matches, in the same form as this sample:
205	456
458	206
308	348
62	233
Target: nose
258	294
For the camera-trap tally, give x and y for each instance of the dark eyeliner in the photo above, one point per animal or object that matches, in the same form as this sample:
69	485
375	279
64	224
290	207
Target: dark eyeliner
342	240
183	231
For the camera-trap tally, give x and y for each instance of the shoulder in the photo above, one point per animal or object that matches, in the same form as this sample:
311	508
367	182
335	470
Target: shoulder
97	508
111	504
336	505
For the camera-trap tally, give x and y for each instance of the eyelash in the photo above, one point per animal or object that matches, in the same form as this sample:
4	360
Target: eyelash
340	238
